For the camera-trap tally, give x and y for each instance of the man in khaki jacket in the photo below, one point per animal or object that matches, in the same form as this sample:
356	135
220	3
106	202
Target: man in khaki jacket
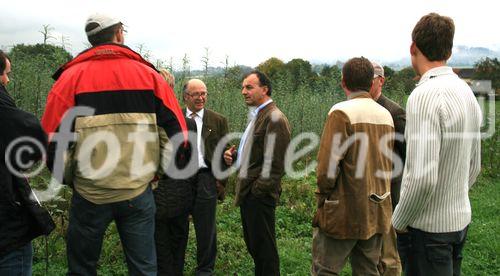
260	160
353	177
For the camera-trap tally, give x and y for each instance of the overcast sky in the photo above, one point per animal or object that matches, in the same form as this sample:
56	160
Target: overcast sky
249	32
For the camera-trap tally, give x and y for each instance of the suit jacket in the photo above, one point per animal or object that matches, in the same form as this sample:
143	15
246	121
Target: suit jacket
254	176
214	128
399	117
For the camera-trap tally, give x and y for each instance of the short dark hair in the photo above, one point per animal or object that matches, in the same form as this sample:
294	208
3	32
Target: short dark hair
263	79
357	74
3	61
104	36
433	35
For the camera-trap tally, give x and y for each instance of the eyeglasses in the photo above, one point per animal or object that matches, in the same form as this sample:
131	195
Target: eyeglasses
198	94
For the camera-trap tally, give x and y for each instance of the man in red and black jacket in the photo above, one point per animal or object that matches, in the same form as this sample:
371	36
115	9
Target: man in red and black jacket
116	154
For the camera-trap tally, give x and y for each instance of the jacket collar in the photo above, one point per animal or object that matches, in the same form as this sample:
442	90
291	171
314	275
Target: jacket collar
381	99
435	72
103	51
261	107
359	94
5	98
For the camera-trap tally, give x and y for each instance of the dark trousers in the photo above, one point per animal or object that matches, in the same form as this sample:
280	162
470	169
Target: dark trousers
432	254
258	219
18	262
204	210
135	221
171	235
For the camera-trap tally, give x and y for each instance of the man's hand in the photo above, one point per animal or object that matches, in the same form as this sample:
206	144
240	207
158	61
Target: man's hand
221	190
228	155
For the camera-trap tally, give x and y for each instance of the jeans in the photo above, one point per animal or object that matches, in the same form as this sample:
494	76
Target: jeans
135	221
435	253
17	262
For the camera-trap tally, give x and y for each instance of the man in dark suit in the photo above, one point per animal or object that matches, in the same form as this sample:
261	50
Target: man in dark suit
211	128
390	263
174	202
260	160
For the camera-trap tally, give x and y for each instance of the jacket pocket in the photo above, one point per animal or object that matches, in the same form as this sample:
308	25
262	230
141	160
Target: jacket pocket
330	217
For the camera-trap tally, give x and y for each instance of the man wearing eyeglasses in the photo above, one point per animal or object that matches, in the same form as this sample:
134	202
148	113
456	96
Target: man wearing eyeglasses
211	128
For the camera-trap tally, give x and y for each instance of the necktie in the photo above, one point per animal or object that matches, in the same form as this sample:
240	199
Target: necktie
194	116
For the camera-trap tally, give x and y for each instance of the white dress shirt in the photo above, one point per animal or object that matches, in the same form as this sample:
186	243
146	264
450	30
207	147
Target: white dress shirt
253	115
198	118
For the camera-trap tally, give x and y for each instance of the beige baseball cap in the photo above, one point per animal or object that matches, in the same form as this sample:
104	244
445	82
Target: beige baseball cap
103	22
378	71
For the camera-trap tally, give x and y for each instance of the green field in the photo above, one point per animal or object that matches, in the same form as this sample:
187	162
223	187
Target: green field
294	233
305	97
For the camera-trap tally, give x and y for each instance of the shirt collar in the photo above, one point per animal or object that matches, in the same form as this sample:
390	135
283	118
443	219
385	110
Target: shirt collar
434	72
260	107
199	113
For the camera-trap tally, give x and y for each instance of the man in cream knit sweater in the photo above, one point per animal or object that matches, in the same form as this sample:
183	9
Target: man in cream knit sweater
442	157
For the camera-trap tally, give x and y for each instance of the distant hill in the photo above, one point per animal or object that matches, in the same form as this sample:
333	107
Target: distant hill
214	71
462	56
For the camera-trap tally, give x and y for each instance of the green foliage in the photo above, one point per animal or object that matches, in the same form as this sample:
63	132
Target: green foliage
482	247
331	72
388	72
294	237
272	67
490	156
404	80
300	72
488	69
32	68
305	97
53	54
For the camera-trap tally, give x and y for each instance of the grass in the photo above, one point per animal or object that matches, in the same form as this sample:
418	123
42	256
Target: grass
306	109
294	235
483	247
294	232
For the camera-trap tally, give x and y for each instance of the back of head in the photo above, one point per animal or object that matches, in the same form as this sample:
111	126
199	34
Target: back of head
357	74
101	28
3	61
433	35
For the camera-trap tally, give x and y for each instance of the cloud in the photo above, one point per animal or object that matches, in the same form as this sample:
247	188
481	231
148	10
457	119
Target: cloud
250	32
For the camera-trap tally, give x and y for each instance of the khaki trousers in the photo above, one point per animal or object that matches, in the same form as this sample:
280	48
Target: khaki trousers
390	264
330	255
